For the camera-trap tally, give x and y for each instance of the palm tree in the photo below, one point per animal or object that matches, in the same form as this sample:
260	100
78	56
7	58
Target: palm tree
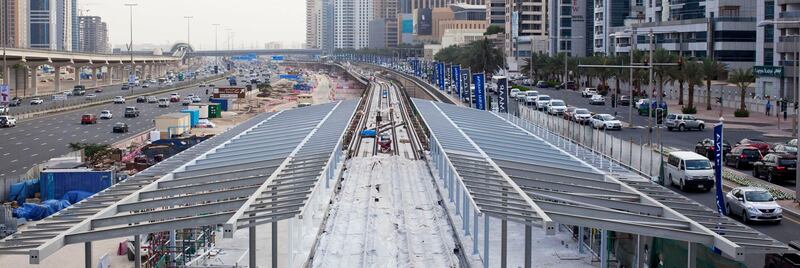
662	72
712	69
481	56
678	75
742	78
693	73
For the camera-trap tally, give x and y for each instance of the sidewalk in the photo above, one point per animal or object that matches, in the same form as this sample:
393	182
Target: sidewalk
759	121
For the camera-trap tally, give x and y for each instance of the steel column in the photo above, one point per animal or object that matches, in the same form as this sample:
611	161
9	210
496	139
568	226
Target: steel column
528	246
603	249
274	244
485	241
87	254
137	247
503	243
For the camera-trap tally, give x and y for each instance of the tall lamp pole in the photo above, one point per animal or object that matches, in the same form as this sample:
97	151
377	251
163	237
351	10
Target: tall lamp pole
797	93
216	41
188	29
5	44
132	70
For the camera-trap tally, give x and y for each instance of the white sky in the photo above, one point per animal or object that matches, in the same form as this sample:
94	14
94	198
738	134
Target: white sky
254	22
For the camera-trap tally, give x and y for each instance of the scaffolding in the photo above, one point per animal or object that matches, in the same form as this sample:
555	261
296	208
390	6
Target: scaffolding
187	244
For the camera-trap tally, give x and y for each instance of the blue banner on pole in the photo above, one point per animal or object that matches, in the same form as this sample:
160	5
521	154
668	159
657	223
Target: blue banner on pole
457	79
440	69
480	96
718	135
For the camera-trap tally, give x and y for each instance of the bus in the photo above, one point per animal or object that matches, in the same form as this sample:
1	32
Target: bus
304	100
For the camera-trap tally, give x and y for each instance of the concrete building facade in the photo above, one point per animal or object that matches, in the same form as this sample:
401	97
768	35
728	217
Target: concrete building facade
92	35
351	23
13	17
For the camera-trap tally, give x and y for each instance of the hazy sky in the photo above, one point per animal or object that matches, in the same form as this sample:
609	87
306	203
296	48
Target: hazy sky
254	22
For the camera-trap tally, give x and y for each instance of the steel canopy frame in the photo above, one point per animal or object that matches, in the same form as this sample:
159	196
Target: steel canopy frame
181	195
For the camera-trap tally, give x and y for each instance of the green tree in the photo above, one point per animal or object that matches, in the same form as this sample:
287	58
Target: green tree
712	69
482	56
693	74
661	73
494	29
742	78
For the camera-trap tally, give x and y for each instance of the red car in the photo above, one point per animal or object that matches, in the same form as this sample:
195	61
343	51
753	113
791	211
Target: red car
88	119
762	146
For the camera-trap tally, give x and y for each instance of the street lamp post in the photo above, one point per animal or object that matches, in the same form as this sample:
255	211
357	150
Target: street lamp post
132	70
216	42
188	28
796	97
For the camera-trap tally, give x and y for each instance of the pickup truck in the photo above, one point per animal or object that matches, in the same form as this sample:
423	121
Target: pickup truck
79	90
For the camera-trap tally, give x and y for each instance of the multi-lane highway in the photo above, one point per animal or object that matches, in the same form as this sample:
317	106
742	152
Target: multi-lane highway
35	141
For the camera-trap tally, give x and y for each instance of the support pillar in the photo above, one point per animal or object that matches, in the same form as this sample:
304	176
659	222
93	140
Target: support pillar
252	246
503	243
274	244
94	75
57	80
485	241
78	70
137	247
34	81
580	239
87	254
603	249
528	246
107	75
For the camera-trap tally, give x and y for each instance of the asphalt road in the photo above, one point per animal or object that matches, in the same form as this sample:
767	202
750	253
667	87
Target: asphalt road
108	93
784	232
37	140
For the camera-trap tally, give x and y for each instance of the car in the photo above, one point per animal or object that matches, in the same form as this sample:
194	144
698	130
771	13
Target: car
67	93
202	85
624	100
98	90
120	127
163	103
582	116
542	84
205	123
706	148
152	99
605	121
174	97
131	112
3	109
141	99
783	148
588	92
530	96
7	121
145	85
521	96
119	100
106	114
569	112
91	96
776	166
513	93
760	144
125	87
15	101
792	142
196	99
186	101
568	85
753	204
742	155
597	100
689	170
542	101
88	119
36	101
556	107
683	122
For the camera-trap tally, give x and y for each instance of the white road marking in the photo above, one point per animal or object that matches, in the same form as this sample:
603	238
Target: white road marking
34	155
26	148
44	143
53	149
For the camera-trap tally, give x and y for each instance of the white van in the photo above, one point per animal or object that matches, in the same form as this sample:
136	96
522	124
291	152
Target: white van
689	170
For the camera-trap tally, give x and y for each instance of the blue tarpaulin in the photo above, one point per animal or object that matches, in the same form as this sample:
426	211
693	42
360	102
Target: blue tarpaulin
76	196
368	133
25	189
35	212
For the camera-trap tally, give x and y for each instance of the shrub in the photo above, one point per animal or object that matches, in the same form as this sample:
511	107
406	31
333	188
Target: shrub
689	110
741	113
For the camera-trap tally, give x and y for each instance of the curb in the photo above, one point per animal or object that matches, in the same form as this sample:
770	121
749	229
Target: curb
34	115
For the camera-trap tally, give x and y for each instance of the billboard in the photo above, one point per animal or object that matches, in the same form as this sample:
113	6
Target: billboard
424	21
480	95
502	95
457	79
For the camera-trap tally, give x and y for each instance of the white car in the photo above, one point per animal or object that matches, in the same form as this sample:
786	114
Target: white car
91	96
119	100
3	109
37	101
521	96
7	121
542	101
514	92
106	114
163	103
205	123
582	116
605	121
588	92
530	96
556	107
753	204
597	100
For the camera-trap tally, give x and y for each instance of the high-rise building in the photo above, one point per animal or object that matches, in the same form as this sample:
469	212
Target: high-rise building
74	24
11	23
385	17
351	23
526	29
64	24
42	24
496	12
571	27
418	4
776	50
313	16
92	35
